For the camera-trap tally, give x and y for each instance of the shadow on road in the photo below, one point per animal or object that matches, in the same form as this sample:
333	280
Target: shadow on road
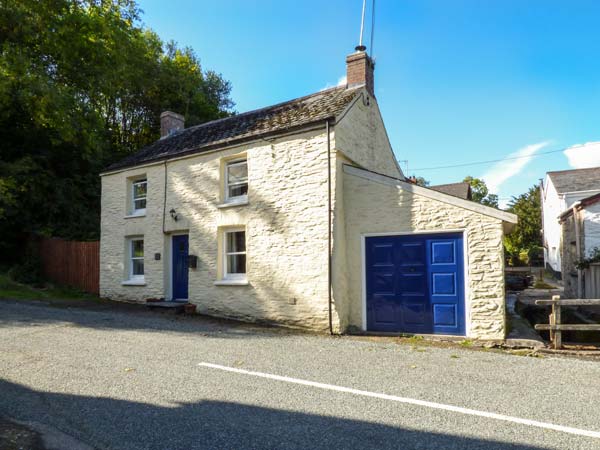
120	424
119	316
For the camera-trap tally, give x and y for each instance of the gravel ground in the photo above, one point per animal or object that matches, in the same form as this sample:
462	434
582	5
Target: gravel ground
130	379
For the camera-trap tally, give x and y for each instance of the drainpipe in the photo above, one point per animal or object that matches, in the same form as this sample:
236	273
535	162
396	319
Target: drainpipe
164	212
329	208
578	245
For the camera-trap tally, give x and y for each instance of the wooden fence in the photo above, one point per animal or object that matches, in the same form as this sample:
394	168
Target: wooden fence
556	326
71	263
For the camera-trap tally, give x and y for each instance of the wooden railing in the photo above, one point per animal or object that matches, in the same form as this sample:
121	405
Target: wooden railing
556	327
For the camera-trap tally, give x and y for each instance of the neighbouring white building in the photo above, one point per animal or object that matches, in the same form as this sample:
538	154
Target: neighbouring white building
299	214
580	227
560	191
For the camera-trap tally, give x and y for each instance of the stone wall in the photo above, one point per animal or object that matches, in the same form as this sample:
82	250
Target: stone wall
569	256
285	221
378	205
361	136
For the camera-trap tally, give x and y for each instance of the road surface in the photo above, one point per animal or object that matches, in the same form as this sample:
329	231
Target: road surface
131	379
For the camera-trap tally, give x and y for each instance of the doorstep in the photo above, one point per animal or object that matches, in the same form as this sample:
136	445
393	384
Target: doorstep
167	305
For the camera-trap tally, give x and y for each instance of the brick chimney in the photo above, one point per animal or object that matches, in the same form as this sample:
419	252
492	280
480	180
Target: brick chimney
359	70
170	123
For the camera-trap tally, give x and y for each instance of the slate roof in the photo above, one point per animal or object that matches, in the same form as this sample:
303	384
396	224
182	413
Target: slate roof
460	190
293	114
576	180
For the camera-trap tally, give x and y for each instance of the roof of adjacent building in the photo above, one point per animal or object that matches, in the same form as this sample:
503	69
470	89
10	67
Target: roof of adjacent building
279	118
575	180
581	204
460	190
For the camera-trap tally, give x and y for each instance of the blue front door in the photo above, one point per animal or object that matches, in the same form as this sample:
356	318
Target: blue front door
415	284
180	248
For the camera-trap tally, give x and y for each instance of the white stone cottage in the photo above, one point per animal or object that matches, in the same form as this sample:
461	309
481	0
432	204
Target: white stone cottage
560	191
299	214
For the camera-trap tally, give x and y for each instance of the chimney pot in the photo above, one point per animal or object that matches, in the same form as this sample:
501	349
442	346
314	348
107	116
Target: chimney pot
359	70
170	123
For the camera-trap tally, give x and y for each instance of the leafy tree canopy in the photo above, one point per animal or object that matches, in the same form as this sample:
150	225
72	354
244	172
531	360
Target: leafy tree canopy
527	234
82	84
481	193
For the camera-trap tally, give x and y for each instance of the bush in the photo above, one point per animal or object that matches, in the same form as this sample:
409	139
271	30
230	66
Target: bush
29	271
524	257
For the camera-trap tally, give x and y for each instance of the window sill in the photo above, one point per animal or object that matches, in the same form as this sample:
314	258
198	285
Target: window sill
132	216
232	204
134	283
231	283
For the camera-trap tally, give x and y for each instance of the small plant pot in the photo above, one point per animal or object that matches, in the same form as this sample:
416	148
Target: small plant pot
189	309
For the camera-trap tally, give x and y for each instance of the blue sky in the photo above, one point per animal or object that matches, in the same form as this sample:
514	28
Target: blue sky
457	81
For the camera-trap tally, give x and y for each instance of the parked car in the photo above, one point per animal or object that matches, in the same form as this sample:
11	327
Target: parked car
517	282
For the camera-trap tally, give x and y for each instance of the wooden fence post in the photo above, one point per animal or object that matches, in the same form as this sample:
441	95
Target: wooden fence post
557	320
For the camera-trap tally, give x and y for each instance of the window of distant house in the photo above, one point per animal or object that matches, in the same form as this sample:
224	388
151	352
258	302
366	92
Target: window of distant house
236	181
235	255
138	201
136	259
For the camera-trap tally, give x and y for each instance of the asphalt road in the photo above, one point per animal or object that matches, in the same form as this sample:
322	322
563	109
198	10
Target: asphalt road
135	380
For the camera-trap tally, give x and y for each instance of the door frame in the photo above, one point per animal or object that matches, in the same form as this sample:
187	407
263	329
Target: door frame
363	268
170	261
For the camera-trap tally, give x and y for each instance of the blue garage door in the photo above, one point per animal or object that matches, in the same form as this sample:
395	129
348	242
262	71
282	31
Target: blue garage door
415	284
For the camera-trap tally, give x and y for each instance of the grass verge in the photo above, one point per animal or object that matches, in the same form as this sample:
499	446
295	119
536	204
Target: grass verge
10	289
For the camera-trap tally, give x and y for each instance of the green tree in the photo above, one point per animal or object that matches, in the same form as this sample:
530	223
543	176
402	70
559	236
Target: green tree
420	181
481	193
526	238
82	84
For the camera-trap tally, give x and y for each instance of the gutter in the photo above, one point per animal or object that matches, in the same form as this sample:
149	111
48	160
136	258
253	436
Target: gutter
164	213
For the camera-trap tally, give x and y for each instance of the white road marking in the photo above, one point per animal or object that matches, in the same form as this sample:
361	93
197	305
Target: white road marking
410	401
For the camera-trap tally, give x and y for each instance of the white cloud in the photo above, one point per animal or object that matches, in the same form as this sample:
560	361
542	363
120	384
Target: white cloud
342	81
501	172
585	155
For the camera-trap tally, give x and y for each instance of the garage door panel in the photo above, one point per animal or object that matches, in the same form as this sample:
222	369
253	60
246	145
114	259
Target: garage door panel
411	254
414	314
384	311
444	315
443	252
415	283
443	283
384	283
383	255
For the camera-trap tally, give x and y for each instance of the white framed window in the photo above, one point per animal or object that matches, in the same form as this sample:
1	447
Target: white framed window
236	181
138	196
234	254
136	259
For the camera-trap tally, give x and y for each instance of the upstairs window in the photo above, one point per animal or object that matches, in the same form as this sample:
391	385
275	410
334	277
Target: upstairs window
235	255
136	258
138	202
236	181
